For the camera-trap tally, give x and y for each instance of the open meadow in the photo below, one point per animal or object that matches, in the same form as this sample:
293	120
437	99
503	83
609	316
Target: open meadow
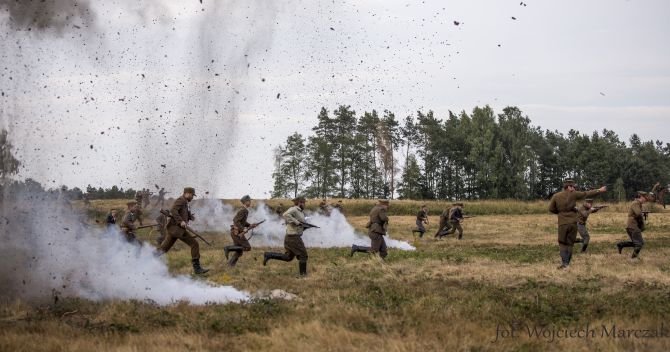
490	291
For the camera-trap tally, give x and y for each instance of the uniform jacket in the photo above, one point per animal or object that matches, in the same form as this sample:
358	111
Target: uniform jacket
564	205
583	214
635	217
456	214
378	221
294	218
180	212
240	219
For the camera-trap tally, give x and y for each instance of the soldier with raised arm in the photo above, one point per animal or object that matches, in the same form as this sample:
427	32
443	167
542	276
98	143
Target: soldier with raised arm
564	204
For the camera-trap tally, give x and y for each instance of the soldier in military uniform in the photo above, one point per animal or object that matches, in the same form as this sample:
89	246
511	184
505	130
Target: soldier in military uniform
279	210
237	232
339	206
324	209
455	220
161	197
176	229
421	219
161	221
377	226
293	244
110	221
444	223
564	205
583	213
635	225
128	221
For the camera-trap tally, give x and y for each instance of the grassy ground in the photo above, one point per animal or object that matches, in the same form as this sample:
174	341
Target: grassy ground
446	295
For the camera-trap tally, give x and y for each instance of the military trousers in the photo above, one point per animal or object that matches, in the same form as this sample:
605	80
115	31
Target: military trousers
636	238
295	247
584	233
567	234
190	241
378	244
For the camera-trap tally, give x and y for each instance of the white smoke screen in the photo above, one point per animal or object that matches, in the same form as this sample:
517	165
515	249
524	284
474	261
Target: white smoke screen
333	231
47	250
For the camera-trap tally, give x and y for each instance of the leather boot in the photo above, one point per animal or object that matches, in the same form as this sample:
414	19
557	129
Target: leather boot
272	255
303	268
636	252
233	259
355	248
228	249
197	268
584	246
565	259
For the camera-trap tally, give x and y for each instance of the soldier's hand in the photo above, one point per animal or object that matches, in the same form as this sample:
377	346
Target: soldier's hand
603	189
183	224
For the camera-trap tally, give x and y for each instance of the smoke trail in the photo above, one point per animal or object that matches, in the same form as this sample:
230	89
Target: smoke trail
334	230
46	249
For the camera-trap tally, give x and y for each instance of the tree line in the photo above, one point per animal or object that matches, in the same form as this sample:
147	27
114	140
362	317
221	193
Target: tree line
477	155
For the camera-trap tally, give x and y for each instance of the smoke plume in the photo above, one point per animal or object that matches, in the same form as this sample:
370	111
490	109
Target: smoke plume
334	231
48	251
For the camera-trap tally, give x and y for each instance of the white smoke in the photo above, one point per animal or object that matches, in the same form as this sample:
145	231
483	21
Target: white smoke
46	250
334	231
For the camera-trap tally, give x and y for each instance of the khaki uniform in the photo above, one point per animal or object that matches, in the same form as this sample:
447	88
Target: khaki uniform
634	227
421	218
564	205
128	226
162	221
444	223
455	217
377	230
582	217
293	244
239	224
180	212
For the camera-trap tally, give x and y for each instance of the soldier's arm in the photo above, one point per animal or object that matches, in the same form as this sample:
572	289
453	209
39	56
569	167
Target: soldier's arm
127	223
174	211
382	216
288	216
553	208
637	210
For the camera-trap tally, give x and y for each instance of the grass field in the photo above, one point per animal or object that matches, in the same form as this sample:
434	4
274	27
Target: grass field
447	295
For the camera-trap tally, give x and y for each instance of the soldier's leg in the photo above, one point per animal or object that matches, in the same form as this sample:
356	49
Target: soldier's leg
623	244
241	245
376	243
300	252
584	233
356	248
167	244
564	245
383	250
638	242
286	257
459	228
195	254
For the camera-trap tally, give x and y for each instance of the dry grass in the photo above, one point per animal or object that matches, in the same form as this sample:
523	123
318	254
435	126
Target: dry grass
447	295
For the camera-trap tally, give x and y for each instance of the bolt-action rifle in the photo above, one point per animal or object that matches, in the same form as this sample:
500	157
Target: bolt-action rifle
187	228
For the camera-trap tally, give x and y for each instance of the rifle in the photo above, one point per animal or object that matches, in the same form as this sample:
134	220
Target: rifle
188	228
469	216
598	207
145	226
249	229
306	225
644	213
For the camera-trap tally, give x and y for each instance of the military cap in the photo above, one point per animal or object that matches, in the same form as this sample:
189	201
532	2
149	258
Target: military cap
384	201
460	204
131	203
569	182
299	199
642	193
189	190
588	200
245	198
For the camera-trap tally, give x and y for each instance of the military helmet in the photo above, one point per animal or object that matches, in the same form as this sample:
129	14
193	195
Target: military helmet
245	198
189	190
384	201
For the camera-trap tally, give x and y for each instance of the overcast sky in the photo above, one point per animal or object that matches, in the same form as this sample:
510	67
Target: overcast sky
180	93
